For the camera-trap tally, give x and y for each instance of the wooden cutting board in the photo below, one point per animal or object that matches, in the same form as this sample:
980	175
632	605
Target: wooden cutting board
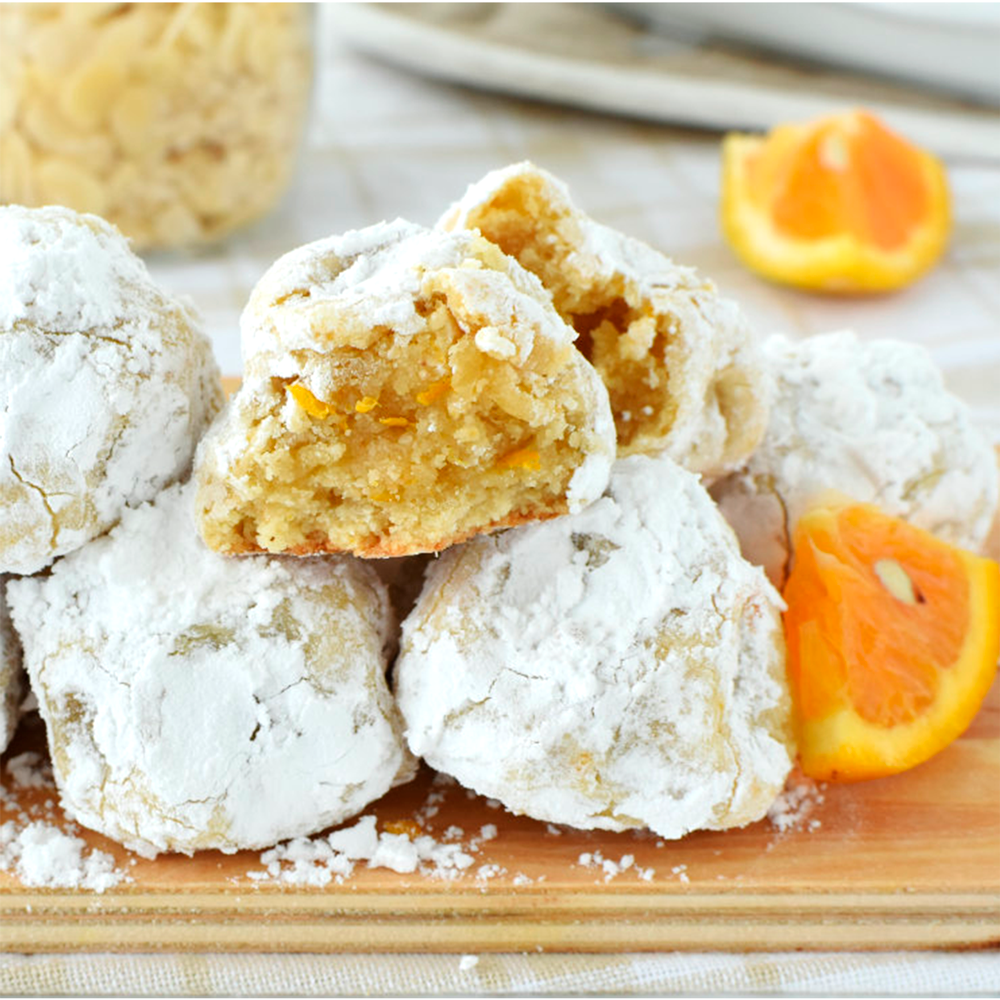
906	862
911	861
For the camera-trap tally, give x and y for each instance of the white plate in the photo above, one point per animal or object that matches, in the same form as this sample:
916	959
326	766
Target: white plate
584	55
954	46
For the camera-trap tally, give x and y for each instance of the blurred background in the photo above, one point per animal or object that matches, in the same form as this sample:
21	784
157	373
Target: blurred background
221	136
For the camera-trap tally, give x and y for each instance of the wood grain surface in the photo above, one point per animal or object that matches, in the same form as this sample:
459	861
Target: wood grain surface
911	861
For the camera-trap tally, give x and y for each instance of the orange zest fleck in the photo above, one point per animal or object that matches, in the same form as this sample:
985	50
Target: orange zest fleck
893	639
434	391
410	827
313	406
522	458
394	421
365	405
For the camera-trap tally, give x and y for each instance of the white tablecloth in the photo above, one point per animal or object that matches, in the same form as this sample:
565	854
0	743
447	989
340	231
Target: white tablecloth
384	143
712	974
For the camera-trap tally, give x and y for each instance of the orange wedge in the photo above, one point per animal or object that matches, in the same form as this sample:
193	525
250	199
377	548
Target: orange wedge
893	638
841	204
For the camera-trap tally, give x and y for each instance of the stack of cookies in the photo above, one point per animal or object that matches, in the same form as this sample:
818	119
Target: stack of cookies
213	670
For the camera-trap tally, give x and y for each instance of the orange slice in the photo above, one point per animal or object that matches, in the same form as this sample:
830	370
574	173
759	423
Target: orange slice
893	639
841	204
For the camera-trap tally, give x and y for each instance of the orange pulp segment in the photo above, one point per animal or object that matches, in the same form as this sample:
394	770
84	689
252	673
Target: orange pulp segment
893	639
841	204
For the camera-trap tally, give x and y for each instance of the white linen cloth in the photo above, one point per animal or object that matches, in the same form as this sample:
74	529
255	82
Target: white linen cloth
698	974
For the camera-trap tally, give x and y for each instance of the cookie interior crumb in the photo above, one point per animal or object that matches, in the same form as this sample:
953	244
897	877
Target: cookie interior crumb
419	441
634	343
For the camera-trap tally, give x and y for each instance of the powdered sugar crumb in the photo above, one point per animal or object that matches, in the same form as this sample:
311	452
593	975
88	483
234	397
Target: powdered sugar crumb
681	872
611	869
791	810
318	861
38	852
467	962
29	770
42	855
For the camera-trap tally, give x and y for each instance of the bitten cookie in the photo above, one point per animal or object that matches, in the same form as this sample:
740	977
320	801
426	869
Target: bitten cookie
871	420
107	383
679	361
620	668
405	389
196	702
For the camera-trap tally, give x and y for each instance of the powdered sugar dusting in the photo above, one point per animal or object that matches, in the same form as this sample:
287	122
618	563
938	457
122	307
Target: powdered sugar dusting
873	421
65	272
107	383
611	869
348	289
197	702
321	860
42	855
593	634
29	770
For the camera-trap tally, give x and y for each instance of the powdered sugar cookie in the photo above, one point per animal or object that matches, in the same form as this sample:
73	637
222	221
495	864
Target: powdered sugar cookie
12	686
405	388
106	383
194	701
626	662
872	420
679	361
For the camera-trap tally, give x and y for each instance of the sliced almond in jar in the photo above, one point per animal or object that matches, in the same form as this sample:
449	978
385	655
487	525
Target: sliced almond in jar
176	224
131	119
16	174
90	90
61	182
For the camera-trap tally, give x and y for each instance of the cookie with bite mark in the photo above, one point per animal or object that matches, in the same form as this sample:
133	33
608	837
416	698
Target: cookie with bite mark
678	360
405	389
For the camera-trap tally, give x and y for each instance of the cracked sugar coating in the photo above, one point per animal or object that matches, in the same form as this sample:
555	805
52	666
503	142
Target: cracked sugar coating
194	701
679	362
869	419
107	383
620	668
405	389
12	686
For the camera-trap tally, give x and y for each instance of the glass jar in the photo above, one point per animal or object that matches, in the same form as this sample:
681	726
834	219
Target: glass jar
177	122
